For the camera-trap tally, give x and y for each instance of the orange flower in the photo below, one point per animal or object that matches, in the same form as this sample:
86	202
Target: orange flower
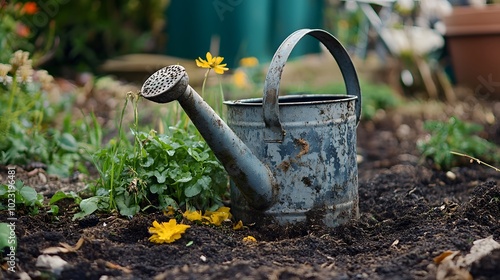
22	30
30	8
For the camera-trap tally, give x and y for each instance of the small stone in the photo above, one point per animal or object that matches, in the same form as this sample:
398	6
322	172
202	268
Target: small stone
54	264
42	177
359	159
450	175
203	258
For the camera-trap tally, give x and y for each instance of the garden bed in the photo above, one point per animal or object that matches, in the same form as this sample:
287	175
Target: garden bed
410	214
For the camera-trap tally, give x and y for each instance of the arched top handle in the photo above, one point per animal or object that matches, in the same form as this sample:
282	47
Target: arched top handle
274	131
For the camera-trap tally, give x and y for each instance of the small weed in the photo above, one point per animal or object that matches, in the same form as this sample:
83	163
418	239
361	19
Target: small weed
25	197
455	136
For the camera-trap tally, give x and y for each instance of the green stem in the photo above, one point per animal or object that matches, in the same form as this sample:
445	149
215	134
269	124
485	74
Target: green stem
221	101
204	82
476	160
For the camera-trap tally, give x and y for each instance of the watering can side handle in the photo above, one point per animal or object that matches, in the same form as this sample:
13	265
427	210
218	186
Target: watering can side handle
274	131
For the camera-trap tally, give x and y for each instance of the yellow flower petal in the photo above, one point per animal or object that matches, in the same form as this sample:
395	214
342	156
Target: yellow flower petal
166	232
192	215
218	60
240	79
249	62
170	211
238	225
249	239
212	63
202	63
218	216
219	69
209	58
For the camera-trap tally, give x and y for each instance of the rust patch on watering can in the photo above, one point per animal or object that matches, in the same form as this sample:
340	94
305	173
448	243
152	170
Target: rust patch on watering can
304	147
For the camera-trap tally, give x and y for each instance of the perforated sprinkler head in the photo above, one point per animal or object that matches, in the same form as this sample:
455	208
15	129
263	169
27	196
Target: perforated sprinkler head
166	84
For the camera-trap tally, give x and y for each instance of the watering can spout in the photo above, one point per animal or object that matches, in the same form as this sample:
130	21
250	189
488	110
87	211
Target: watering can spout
253	178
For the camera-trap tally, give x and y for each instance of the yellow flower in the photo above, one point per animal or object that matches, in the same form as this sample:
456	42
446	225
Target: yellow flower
240	79
249	239
249	62
166	232
238	226
192	215
217	217
170	210
212	63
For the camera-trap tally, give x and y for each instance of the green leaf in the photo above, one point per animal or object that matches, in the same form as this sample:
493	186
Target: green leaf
160	177
54	209
197	187
68	142
29	195
6	239
155	188
123	202
89	205
148	163
59	195
3	189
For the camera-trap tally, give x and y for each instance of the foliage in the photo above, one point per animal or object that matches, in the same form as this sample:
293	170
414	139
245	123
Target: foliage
6	239
58	30
59	196
25	197
158	170
104	30
15	33
455	136
27	118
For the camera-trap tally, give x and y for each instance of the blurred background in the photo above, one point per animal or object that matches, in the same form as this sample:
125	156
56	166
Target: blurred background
405	42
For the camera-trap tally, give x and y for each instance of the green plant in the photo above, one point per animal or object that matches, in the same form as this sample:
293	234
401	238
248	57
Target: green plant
58	197
25	197
27	118
454	136
158	170
6	237
107	29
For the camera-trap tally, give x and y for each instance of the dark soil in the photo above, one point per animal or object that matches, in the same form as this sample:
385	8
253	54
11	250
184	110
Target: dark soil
410	213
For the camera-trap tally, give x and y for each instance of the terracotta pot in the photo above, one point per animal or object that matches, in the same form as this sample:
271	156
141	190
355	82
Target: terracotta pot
474	42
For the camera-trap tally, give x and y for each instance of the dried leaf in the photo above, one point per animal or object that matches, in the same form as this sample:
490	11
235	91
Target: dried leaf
452	266
118	267
443	255
65	248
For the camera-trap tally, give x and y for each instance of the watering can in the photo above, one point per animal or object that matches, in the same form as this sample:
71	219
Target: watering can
291	159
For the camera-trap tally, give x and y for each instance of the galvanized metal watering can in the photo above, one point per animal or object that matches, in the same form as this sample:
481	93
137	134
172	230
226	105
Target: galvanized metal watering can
291	159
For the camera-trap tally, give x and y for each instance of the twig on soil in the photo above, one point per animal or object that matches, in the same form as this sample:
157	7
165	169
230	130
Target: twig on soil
476	160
